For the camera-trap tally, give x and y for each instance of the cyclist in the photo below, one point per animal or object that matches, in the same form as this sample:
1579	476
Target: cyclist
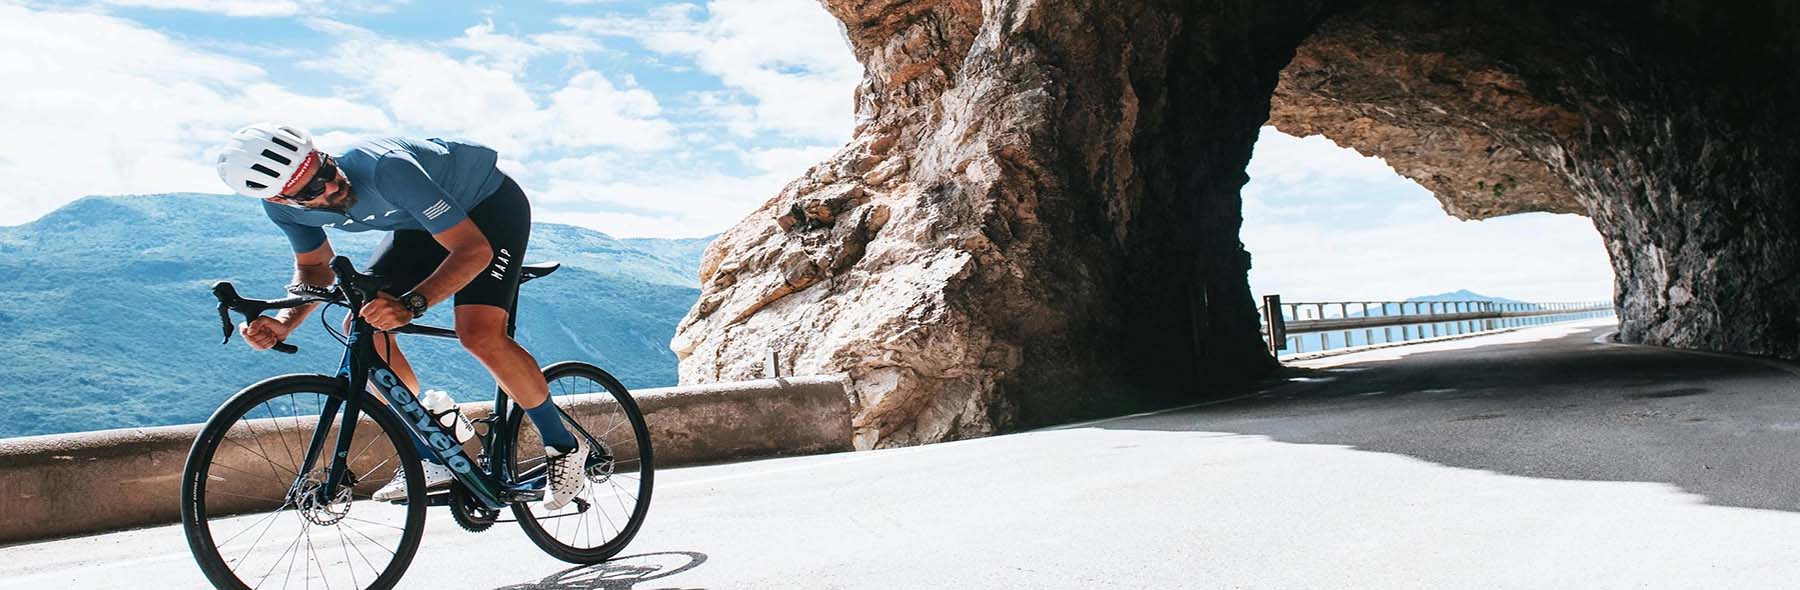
458	227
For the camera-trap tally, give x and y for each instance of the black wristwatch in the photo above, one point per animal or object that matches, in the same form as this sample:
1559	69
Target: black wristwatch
414	303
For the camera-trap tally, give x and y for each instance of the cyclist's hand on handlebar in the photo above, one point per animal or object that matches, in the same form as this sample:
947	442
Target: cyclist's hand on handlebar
264	332
386	312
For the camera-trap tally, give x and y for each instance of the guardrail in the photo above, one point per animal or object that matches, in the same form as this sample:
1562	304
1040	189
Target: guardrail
1413	319
85	482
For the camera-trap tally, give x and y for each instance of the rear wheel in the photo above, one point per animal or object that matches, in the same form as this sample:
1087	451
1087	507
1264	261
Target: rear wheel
248	528
603	518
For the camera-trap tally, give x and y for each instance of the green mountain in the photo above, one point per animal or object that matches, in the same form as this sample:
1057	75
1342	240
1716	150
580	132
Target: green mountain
107	319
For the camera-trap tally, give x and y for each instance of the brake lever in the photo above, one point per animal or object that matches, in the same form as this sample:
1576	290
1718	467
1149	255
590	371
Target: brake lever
230	301
225	322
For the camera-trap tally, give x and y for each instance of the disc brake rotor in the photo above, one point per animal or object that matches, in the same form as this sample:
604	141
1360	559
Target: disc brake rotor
323	512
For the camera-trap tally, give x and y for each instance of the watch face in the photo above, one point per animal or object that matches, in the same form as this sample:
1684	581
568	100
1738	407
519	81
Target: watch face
415	302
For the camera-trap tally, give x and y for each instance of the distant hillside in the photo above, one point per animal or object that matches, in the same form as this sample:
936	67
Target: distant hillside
1463	295
1395	308
684	253
109	321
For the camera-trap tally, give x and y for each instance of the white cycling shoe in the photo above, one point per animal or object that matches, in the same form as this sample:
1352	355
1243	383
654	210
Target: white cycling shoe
436	476
568	477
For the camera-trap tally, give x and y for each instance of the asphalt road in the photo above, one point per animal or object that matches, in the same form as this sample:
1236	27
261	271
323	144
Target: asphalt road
1535	459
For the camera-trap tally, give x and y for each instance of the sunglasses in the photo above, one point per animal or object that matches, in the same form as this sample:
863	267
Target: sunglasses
326	173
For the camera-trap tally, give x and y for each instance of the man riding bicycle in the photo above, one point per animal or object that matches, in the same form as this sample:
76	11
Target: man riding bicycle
458	227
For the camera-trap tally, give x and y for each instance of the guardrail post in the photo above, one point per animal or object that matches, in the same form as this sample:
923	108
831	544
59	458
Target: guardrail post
1274	324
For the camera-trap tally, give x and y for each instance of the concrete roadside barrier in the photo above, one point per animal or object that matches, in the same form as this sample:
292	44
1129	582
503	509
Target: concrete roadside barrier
68	484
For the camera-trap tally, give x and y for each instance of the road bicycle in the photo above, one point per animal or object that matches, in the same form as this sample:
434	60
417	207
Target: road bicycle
277	487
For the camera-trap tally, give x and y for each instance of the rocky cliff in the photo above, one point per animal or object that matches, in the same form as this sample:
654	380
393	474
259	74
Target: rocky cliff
1037	218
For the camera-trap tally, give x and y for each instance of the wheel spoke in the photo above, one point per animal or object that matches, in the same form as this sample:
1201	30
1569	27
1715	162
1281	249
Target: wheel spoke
264	519
283	436
595	528
378	544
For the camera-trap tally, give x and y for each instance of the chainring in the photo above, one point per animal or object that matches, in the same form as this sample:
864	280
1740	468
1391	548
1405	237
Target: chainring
468	513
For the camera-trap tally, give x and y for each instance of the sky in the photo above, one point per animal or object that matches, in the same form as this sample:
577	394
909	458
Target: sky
635	118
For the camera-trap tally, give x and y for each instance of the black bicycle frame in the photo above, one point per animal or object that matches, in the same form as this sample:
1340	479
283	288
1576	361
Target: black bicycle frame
360	367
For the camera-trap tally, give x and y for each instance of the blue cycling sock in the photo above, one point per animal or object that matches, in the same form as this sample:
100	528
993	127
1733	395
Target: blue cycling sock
550	427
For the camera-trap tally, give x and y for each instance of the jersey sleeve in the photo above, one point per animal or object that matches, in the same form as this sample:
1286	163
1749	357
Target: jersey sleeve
404	183
303	238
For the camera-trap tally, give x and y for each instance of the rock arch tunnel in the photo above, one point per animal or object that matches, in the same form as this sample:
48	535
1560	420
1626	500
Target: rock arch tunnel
1037	217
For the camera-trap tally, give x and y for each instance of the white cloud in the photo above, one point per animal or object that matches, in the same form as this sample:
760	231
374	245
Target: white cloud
789	56
1314	165
225	7
565	42
656	206
795	160
502	51
673	195
511	53
262	8
428	90
100	105
590	111
1323	223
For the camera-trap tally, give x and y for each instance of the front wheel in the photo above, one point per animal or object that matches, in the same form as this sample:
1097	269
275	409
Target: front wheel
253	520
604	517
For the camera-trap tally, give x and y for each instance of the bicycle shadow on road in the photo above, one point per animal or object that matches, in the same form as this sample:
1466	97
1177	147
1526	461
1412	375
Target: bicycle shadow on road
623	573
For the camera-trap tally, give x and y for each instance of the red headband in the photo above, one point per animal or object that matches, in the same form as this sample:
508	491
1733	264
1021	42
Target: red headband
311	162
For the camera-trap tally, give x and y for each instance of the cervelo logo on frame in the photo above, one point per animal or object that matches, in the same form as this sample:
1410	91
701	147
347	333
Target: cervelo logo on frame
445	447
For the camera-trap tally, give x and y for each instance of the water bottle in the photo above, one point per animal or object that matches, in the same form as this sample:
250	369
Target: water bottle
443	409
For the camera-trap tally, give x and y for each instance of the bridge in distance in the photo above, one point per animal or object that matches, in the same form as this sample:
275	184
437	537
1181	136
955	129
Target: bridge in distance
1539	458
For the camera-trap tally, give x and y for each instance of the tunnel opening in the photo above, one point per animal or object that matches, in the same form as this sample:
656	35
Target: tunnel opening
1339	235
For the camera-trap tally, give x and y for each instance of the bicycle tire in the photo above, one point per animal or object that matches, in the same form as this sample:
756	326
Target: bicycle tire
525	447
203	507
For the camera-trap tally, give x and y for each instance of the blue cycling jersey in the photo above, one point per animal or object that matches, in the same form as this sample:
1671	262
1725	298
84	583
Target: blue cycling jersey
400	183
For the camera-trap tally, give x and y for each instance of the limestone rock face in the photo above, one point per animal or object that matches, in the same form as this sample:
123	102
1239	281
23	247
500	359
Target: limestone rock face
1037	218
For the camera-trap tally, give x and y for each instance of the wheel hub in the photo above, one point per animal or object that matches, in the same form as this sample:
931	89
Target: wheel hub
321	508
600	466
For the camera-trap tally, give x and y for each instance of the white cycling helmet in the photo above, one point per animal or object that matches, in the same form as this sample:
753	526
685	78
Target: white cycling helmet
262	159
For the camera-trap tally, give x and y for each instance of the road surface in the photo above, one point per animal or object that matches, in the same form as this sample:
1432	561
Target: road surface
1534	459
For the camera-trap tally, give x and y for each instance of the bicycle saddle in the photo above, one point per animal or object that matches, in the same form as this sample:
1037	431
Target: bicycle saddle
538	270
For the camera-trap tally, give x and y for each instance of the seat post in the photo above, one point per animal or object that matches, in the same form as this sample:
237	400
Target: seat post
512	312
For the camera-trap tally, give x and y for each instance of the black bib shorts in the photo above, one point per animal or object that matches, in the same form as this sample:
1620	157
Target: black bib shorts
406	257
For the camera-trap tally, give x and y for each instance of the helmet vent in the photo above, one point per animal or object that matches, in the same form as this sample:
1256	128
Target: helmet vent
270	154
255	185
265	170
283	143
